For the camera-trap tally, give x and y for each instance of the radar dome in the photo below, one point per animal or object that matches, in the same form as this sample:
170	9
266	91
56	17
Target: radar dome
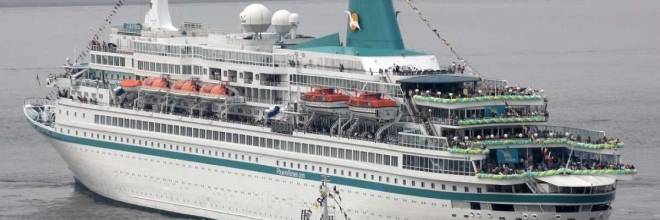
280	21
294	19
255	18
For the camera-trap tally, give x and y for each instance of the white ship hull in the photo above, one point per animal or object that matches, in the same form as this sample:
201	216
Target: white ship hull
240	194
220	192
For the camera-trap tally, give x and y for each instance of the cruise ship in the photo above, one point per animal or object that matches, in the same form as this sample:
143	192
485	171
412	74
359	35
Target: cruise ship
252	125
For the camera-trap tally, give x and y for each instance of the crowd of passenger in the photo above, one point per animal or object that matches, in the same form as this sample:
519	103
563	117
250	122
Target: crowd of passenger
478	92
103	46
466	141
552	164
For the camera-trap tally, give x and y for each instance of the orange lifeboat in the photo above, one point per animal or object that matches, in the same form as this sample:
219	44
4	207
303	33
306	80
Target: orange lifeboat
178	85
130	83
185	86
161	83
213	90
372	104
156	82
206	88
325	98
219	90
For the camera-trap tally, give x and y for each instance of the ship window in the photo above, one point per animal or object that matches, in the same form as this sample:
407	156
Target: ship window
249	141
502	207
333	152
364	157
157	127
196	133
305	148
319	150
215	135
276	144
235	138
262	142
289	146
467	189
325	152
349	154
453	188
475	206
189	131
297	147
222	136
396	181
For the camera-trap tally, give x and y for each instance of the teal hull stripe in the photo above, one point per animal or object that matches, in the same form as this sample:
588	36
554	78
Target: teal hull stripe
493	198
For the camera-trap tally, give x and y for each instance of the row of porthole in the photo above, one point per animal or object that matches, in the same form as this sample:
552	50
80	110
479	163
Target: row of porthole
349	173
525	216
158	145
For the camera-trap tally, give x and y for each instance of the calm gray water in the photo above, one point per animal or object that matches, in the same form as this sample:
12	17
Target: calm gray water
598	61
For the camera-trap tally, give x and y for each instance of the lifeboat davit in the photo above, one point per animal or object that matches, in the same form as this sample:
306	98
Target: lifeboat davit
156	83
373	105
325	99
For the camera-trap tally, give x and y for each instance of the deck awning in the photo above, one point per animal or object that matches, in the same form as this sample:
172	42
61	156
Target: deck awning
578	181
440	79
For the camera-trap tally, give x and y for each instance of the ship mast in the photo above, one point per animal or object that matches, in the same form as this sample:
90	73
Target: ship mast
158	17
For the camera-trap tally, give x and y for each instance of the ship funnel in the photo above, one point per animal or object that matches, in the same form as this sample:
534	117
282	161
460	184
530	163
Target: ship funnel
158	17
373	24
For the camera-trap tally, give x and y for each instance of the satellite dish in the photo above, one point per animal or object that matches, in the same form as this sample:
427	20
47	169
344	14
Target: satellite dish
255	18
280	22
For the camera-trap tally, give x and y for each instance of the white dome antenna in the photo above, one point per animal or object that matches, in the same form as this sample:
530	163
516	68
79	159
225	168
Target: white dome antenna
281	23
294	21
255	18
